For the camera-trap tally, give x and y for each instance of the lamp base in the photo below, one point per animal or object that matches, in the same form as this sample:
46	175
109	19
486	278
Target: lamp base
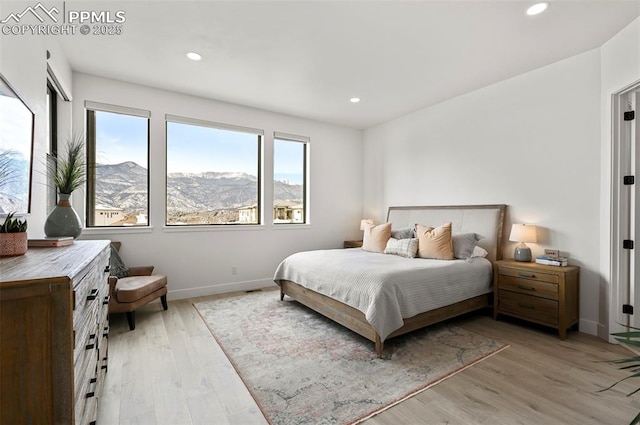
522	253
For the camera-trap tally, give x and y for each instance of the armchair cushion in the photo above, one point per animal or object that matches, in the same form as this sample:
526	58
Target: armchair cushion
117	267
133	288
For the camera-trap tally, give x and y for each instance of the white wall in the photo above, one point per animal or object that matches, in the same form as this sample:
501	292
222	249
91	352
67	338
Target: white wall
199	262
23	63
531	142
620	68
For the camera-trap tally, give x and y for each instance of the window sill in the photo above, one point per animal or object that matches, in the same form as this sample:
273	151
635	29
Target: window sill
116	230
291	226
214	228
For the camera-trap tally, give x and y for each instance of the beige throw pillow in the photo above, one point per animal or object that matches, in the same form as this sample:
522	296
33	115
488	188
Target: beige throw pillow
435	243
376	237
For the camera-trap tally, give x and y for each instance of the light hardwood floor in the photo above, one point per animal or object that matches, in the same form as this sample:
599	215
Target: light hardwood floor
170	370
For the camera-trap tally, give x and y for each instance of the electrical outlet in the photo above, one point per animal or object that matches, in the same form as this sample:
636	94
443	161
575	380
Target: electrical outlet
552	252
234	269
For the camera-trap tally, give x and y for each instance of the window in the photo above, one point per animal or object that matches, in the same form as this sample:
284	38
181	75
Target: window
118	166
213	173
52	134
290	178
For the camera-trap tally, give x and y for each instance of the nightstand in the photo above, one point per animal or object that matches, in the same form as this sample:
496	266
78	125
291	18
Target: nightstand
546	295
352	244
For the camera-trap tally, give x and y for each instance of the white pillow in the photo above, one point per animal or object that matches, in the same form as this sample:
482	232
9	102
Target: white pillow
402	247
479	252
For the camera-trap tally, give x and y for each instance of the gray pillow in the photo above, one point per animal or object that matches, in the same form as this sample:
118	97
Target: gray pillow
117	267
403	233
463	244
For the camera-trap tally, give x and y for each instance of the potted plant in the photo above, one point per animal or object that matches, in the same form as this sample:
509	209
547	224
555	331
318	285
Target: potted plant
630	364
67	173
13	236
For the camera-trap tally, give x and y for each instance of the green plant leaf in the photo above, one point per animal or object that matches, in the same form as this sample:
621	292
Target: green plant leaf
626	360
625	338
631	342
627	334
630	367
13	225
68	172
635	375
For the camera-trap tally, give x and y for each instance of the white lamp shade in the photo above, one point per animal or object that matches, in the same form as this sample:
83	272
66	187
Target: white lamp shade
364	222
523	233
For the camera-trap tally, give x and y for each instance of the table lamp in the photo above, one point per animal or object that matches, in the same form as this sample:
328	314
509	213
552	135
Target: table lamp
364	222
523	233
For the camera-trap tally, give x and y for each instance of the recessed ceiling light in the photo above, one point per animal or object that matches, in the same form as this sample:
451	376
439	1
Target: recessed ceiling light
194	56
537	8
354	100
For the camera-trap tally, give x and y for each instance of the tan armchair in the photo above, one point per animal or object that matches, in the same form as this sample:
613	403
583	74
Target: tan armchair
135	290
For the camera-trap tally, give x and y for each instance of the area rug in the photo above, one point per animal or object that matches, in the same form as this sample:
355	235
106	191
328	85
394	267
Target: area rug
302	368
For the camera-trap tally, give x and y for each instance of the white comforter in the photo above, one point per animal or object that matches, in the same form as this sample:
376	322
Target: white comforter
387	288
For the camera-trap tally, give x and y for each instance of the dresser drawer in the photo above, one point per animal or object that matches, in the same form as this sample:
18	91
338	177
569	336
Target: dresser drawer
529	286
526	306
526	274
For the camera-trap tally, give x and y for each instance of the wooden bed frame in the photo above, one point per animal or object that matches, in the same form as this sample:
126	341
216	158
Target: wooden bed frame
465	218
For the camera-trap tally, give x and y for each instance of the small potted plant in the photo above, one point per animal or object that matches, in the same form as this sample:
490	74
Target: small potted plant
13	236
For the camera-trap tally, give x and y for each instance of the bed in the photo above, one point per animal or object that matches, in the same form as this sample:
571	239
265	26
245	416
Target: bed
380	296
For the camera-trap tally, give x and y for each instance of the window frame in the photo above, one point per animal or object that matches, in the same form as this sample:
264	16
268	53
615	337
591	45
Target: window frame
306	141
52	122
176	119
90	109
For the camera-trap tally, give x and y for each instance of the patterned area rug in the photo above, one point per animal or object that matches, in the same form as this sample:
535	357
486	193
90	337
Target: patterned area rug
302	368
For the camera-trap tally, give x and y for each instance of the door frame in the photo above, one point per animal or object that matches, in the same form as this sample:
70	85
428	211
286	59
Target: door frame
620	259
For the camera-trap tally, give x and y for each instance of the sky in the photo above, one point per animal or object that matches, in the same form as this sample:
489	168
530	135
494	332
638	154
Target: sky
15	126
193	149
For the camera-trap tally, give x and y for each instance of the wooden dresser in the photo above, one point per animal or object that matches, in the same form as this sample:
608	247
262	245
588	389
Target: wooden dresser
53	334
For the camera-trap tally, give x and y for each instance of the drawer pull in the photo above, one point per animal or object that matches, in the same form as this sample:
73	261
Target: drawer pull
106	300
523	305
93	294
92	393
105	332
107	269
529	275
92	342
527	288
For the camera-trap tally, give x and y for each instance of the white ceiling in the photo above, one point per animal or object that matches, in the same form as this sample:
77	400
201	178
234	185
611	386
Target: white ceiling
307	58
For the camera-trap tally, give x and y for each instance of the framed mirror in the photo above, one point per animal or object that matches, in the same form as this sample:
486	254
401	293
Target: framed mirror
16	151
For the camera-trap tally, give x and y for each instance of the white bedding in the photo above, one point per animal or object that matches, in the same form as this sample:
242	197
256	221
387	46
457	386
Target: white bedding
387	288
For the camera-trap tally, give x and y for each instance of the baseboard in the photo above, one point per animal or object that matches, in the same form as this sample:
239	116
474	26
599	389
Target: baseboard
590	327
223	288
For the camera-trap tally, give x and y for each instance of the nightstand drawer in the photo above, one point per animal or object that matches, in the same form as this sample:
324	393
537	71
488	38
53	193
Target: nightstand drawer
526	274
527	306
352	244
529	286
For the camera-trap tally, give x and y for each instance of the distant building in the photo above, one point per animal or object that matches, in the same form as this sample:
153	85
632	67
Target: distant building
288	212
106	216
283	212
248	214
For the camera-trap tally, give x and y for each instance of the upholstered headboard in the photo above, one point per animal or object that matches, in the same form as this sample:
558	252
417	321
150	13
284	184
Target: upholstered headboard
485	220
